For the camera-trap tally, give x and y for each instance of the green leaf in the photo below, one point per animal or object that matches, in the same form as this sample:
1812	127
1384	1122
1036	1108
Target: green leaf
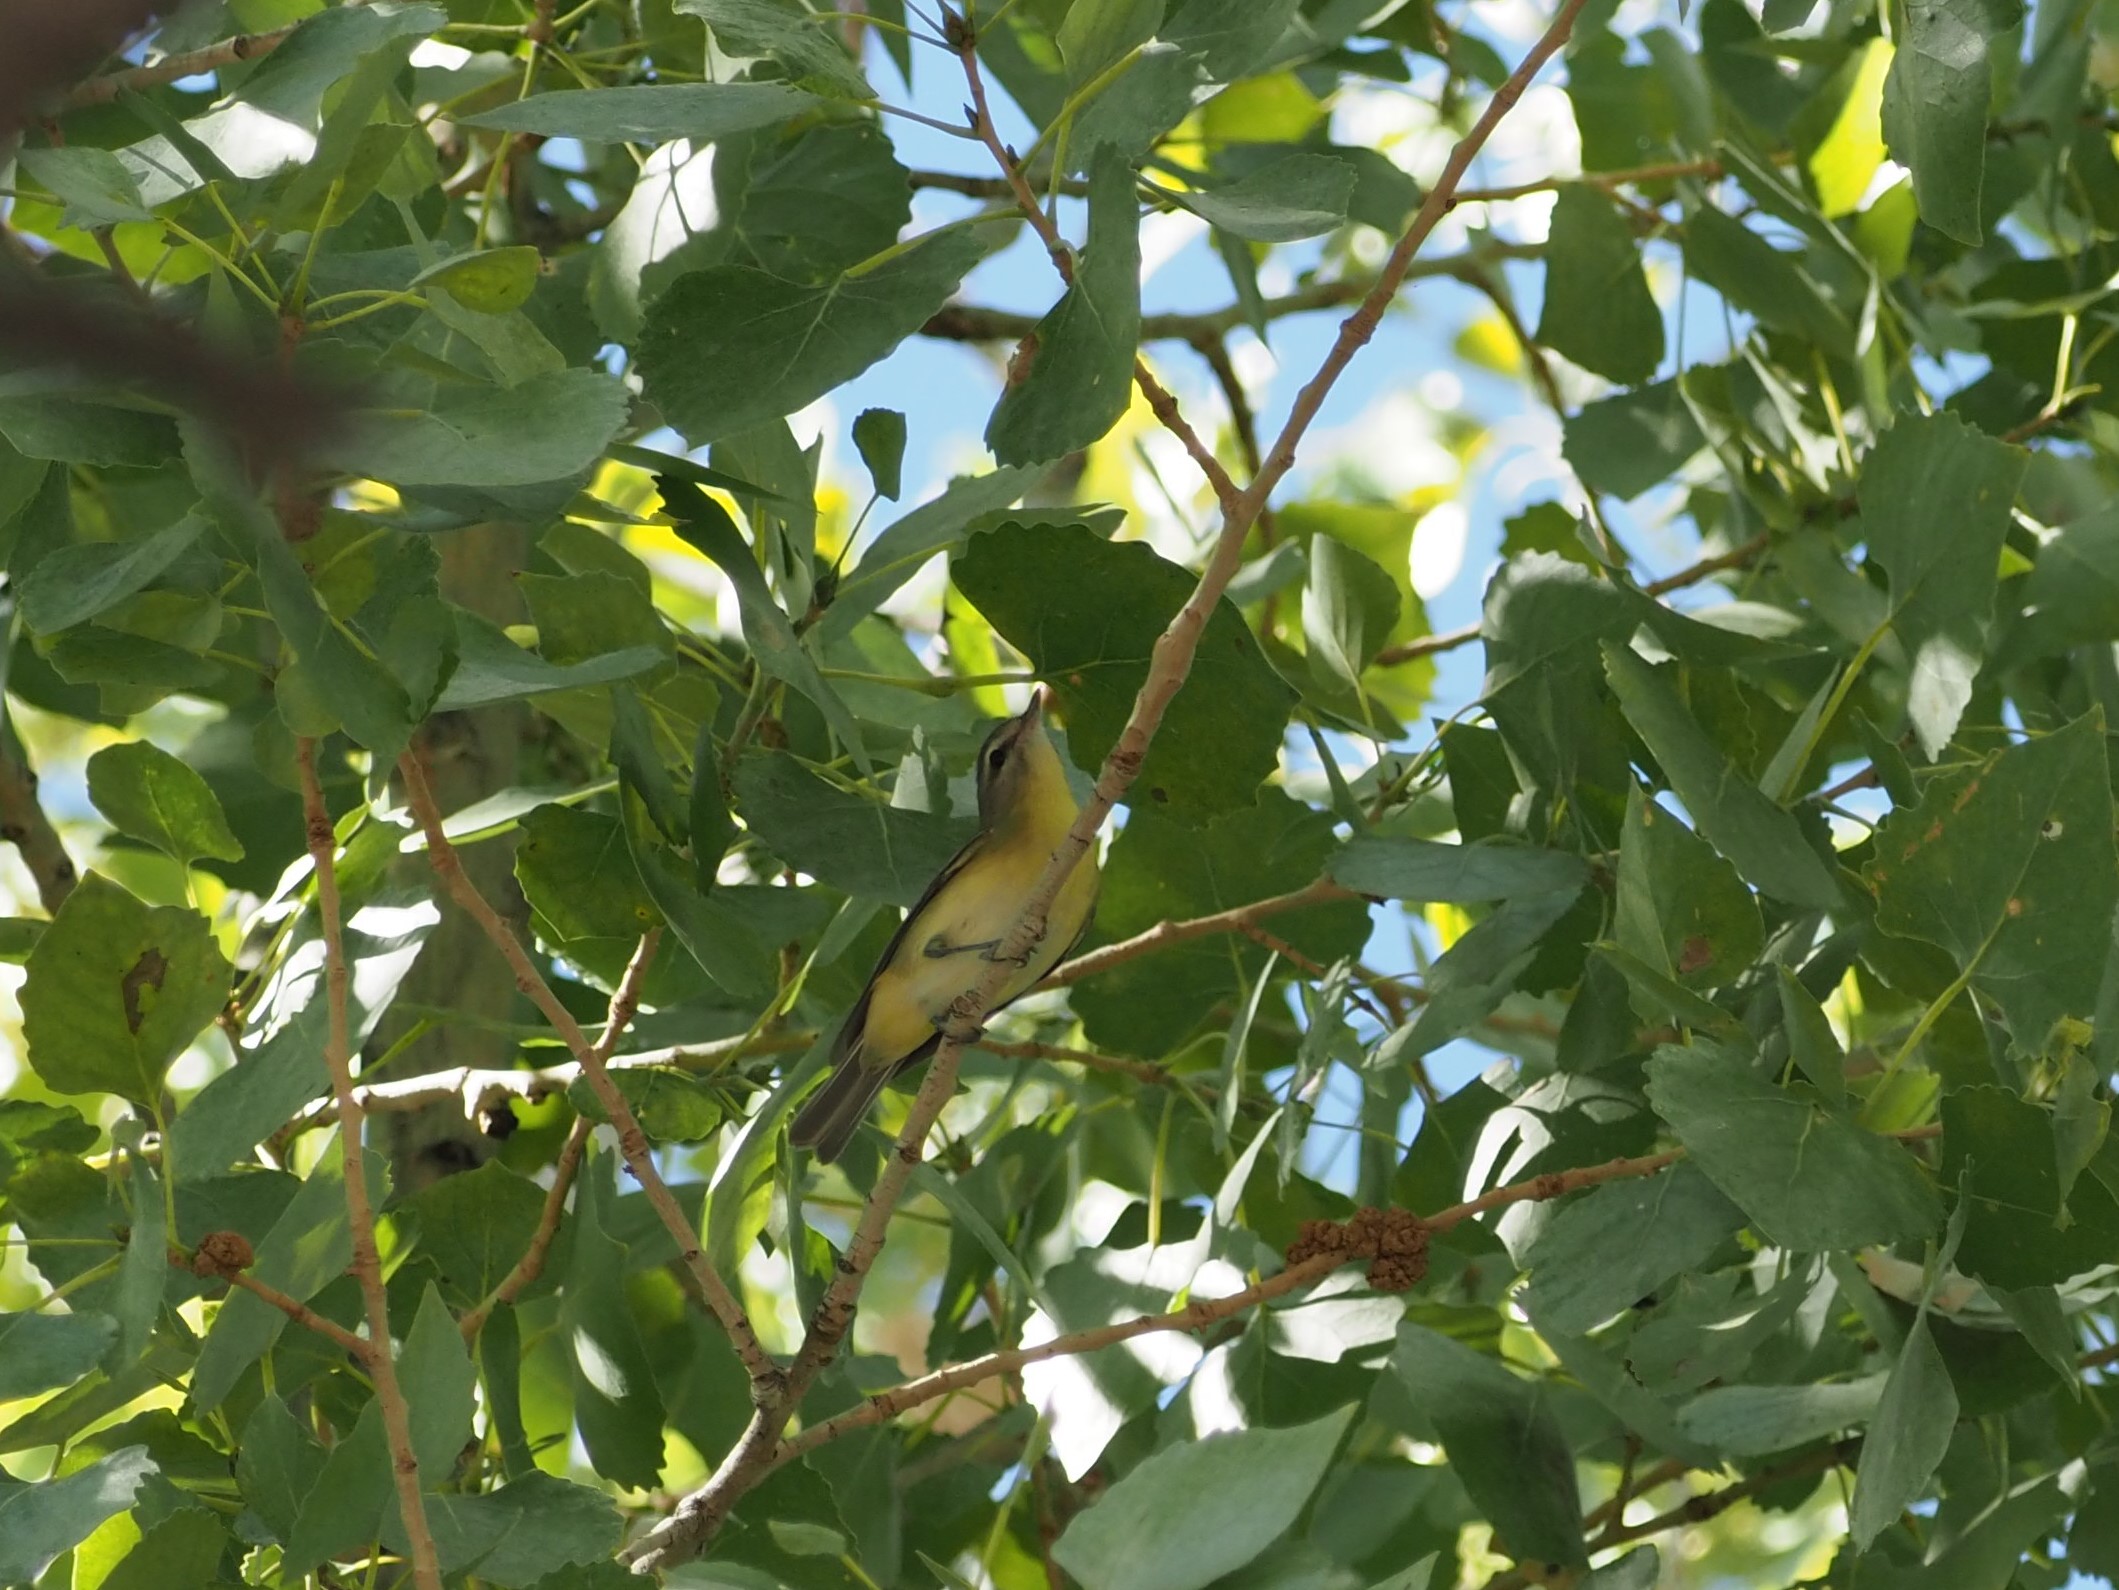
136	1301
730	347
1202	43
898	553
1598	311
38	1522
1732	815
1631	441
440	1384
1094	34
1806	1178
149	794
616	1406
1429	870
1762	281
1349	608
76	583
1754	1421
94	185
1936	101
1812	1044
575	872
856	843
117	990
529	1533
492	281
97	434
705	526
2009	866
1190	1513
1616	1244
879	437
491	668
651	113
1295	197
1906	1439
1160	868
807	45
1681	910
580	617
548	427
308	1247
1503	1442
672	1106
1072	377
1087	613
2021	1230
40	1351
477	1225
277	1462
1935	500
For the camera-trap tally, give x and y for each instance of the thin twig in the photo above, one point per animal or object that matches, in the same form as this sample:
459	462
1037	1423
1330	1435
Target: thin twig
1160	401
632	1142
1165	934
1706	568
978	323
360	1213
190	63
359	1348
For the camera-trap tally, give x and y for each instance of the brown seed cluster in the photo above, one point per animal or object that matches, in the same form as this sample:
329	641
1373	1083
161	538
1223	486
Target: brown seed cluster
222	1253
1394	1241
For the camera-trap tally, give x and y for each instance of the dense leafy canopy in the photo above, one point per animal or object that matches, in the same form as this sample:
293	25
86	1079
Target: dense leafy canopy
1638	1116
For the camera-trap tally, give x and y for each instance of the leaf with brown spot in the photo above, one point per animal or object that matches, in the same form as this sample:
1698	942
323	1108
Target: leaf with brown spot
147	972
117	989
2010	867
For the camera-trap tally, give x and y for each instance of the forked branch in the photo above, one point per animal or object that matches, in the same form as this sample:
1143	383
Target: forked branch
700	1515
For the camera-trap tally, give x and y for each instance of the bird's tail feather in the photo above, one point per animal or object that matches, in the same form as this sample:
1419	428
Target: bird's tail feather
835	1111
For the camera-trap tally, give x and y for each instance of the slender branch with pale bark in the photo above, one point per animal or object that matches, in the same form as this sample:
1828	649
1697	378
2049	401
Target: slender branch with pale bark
632	1142
700	1515
1197	1316
170	68
360	1211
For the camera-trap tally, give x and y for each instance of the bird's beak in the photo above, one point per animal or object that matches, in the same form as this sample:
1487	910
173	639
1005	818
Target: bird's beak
1040	700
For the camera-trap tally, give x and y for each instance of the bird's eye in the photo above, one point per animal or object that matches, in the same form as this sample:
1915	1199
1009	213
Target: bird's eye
997	758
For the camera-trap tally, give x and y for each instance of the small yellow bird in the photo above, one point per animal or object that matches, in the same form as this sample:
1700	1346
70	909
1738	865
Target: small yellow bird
942	949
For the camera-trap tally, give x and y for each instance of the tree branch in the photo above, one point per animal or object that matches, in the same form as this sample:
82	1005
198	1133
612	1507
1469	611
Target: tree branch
190	63
1160	401
1197	1316
359	1348
681	1536
1163	935
632	1142
360	1213
1705	569
24	825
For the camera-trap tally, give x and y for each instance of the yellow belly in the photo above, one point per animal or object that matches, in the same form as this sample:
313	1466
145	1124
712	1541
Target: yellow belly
911	995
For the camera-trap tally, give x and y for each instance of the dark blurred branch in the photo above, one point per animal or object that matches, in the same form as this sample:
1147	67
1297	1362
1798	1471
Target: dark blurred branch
46	44
190	63
24	825
109	341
